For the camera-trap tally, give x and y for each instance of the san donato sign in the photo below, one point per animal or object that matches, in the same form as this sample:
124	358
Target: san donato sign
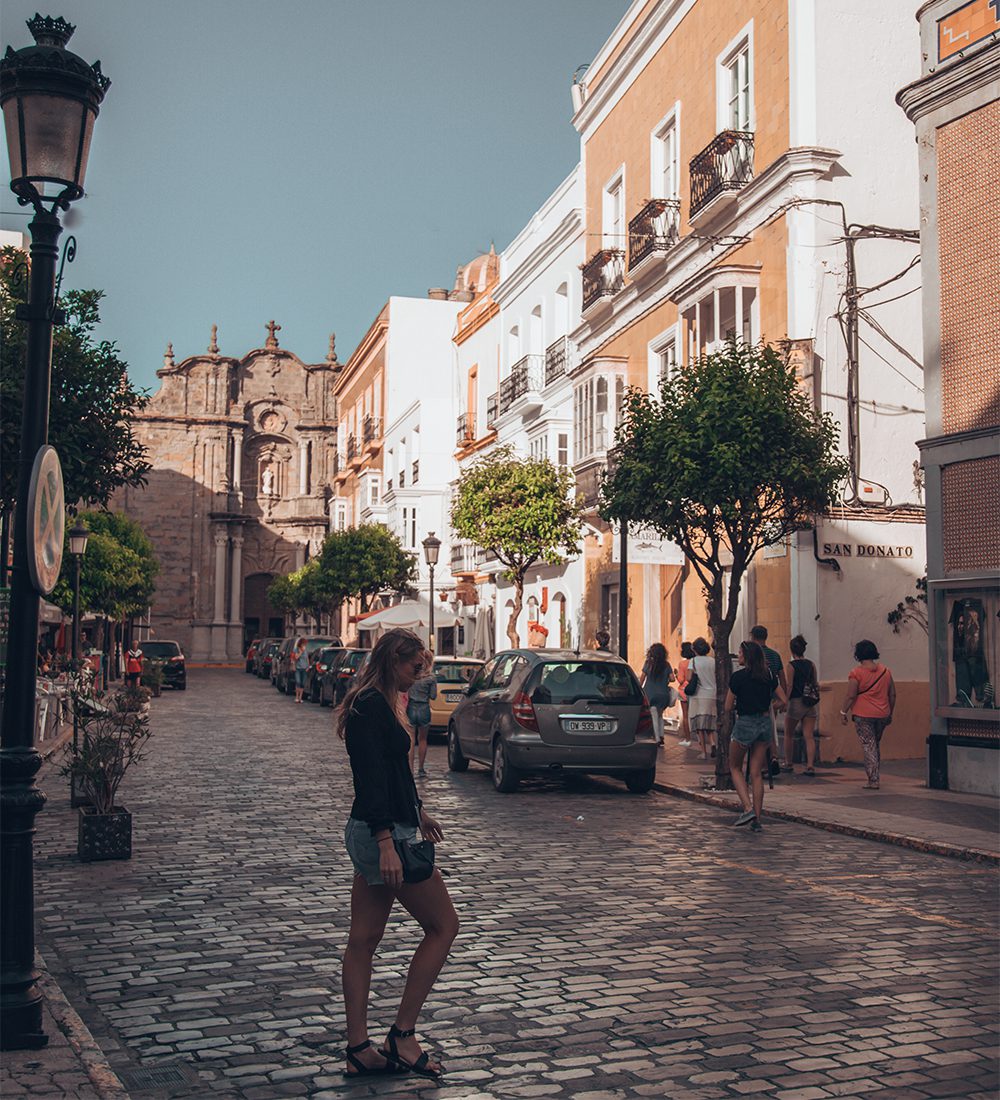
865	550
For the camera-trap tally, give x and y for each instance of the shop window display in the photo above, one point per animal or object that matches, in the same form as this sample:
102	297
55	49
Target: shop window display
968	647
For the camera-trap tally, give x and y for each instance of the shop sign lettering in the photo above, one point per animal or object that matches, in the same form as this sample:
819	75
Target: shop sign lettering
865	550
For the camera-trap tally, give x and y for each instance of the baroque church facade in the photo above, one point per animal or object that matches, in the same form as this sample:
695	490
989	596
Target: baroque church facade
243	452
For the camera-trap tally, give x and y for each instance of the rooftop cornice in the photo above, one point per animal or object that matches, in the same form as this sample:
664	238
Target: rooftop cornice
976	69
564	234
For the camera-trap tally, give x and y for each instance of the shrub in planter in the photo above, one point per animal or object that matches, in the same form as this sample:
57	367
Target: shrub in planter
114	738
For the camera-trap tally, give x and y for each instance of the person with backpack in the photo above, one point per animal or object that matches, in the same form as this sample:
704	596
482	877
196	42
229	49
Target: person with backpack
803	705
133	665
870	700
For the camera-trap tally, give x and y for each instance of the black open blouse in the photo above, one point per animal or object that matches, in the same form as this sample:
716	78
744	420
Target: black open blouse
379	747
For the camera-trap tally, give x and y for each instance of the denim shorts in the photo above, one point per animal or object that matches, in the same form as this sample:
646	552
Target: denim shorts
363	849
748	729
418	714
300	677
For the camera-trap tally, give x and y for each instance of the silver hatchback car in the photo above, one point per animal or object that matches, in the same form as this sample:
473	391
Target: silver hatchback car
555	711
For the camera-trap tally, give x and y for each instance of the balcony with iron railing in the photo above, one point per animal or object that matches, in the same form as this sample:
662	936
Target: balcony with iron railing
352	447
466	431
492	403
371	429
653	231
466	557
556	360
524	383
719	172
603	276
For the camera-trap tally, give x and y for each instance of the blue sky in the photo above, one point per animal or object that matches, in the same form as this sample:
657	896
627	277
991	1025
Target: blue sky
305	159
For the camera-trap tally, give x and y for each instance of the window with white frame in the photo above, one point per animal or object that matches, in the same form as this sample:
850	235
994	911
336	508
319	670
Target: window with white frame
374	490
562	450
597	406
665	157
339	515
663	358
539	447
718	316
735	77
613	210
408	535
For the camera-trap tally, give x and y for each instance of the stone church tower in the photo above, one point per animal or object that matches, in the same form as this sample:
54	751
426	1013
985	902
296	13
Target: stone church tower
243	452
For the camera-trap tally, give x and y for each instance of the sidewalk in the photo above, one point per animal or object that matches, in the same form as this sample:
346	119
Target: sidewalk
903	812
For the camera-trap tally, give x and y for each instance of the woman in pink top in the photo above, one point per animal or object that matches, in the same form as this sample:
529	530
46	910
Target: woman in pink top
871	699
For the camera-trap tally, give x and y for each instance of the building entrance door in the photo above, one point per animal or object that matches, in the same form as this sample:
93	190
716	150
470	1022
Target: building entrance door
256	607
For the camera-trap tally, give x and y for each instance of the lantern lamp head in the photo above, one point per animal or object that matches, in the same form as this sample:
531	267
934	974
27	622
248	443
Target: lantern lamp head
50	99
432	548
78	540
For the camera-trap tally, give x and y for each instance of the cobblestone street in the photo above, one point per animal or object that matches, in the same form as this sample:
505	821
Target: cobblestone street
612	945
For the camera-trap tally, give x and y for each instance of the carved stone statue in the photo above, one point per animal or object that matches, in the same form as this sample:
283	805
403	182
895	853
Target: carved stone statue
267	481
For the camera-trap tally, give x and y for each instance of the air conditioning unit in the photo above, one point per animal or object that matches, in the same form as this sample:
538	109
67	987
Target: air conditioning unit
871	493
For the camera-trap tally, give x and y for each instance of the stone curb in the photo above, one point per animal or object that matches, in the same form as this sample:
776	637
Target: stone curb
104	1079
918	844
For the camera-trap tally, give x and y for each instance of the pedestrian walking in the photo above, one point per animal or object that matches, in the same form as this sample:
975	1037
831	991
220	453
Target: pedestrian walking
870	700
700	689
656	678
133	665
602	641
687	652
774	662
385	816
300	663
418	712
803	705
751	689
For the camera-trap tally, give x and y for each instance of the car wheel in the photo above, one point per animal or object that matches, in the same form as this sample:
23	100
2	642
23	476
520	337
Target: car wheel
457	761
641	782
313	694
505	775
182	686
323	701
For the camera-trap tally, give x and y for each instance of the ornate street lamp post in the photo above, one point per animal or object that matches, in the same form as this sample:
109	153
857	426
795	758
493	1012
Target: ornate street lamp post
50	99
432	547
77	547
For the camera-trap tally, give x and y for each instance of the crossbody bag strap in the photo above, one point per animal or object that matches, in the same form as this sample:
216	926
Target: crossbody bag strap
875	681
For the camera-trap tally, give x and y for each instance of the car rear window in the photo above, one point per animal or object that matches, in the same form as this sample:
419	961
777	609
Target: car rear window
326	655
569	681
160	649
455	673
354	660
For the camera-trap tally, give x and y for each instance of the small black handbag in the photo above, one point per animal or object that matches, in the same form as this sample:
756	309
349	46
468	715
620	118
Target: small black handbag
417	859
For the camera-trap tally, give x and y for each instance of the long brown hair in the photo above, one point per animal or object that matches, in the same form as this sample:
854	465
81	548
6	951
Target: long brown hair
756	663
380	672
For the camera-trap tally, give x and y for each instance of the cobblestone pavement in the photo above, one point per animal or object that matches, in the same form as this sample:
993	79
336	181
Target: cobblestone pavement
612	945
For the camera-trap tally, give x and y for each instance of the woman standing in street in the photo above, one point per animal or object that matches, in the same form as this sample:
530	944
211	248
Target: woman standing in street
870	699
386	809
750	692
418	712
655	681
687	652
802	705
300	665
701	702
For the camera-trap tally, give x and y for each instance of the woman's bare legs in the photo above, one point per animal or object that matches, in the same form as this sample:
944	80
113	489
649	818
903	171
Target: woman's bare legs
429	903
422	732
789	753
758	758
370	906
737	754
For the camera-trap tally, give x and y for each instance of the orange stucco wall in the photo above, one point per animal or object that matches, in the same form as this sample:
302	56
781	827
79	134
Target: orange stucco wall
685	70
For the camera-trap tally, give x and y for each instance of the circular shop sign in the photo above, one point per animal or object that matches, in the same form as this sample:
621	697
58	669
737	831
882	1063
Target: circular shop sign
46	520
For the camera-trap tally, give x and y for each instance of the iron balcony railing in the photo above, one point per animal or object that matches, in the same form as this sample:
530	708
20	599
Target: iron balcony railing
556	359
466	557
370	428
603	275
415	472
724	165
352	447
526	376
466	428
402	478
335	464
654	229
491	411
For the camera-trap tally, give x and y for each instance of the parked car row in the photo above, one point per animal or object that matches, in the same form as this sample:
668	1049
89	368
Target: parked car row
331	667
169	657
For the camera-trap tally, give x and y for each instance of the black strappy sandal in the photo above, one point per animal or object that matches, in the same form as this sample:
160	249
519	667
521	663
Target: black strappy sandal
420	1066
361	1070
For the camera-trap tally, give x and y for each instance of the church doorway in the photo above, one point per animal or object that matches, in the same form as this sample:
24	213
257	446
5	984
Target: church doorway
260	619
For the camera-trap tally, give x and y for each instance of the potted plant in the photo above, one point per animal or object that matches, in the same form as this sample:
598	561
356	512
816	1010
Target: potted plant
114	738
152	677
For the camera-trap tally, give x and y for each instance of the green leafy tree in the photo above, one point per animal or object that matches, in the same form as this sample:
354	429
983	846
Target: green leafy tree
282	594
521	511
118	572
360	562
730	458
307	590
92	403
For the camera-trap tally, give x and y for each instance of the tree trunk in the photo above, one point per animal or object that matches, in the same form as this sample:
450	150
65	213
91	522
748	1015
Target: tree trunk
515	613
721	632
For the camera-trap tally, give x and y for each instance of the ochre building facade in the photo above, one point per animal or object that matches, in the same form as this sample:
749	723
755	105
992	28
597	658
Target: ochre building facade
243	452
